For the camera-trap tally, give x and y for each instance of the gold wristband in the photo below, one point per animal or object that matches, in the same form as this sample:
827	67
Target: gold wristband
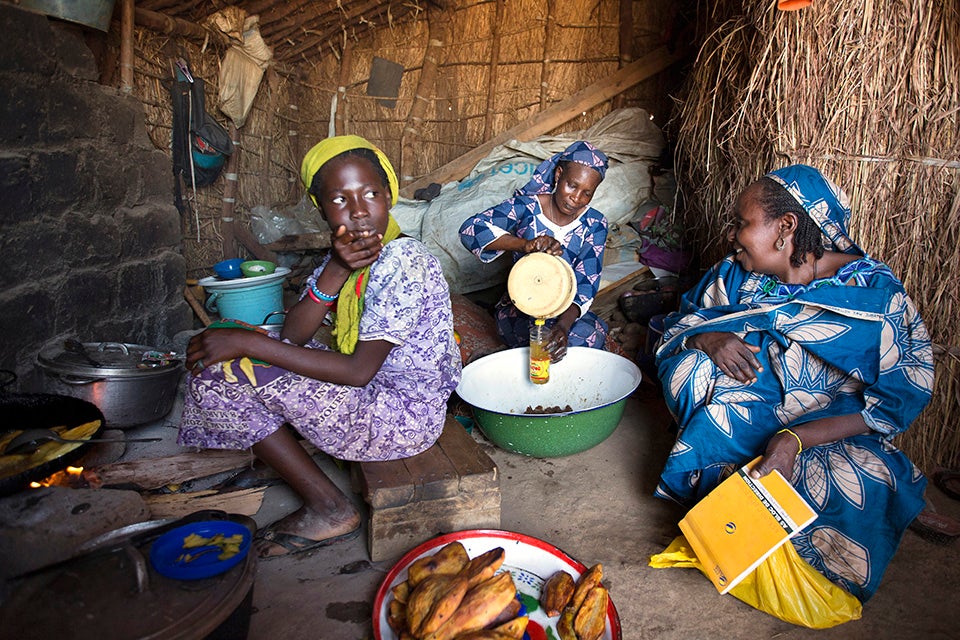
799	441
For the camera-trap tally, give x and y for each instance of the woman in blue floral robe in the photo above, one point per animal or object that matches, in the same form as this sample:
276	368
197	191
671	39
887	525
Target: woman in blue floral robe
800	348
550	214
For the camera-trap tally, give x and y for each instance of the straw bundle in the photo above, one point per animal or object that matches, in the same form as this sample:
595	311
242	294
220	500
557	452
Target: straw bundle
866	91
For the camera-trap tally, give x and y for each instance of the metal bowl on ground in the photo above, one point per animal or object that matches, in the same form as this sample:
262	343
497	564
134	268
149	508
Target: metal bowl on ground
576	410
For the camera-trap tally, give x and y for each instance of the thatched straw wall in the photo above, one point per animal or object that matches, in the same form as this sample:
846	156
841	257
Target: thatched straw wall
868	92
470	72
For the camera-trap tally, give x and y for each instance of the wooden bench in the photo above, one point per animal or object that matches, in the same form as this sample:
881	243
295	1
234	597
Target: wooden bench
452	486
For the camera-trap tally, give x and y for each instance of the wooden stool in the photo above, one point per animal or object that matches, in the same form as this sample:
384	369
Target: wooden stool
451	486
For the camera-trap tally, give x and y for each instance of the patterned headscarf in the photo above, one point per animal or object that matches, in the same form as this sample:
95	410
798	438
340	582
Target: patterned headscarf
346	326
825	203
581	151
329	148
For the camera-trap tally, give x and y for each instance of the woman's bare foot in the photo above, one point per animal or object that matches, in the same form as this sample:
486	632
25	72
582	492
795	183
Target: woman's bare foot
306	529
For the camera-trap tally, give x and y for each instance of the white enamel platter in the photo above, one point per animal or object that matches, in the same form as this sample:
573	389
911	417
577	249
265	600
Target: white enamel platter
529	560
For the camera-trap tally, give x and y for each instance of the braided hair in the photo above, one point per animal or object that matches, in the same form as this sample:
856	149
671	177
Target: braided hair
776	202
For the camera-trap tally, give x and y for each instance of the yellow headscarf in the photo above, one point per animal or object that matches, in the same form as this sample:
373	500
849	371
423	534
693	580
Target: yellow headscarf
346	328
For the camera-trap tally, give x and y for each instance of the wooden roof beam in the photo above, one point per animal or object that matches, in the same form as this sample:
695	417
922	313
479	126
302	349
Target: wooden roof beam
554	116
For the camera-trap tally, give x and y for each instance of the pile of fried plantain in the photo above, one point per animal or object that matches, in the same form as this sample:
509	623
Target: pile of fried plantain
581	604
449	596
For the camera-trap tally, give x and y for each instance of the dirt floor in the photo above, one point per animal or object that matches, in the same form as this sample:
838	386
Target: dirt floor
597	506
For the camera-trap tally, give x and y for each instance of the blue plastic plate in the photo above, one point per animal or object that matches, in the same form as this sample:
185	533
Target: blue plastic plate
167	553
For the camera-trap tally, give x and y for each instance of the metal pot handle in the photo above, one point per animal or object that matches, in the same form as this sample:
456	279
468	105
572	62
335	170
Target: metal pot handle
76	381
271	314
114	345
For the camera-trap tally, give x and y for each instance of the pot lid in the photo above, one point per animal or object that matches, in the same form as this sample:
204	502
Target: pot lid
115	359
114	592
541	285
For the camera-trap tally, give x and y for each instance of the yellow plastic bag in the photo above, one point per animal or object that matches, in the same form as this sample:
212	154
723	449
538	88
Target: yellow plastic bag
784	586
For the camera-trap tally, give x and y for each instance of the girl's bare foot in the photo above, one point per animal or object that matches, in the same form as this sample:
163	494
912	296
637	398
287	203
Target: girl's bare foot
307	529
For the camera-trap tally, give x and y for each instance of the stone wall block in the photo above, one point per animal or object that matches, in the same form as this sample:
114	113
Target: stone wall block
33	250
59	182
92	240
25	321
82	298
146	228
22	110
21	29
74	57
138	287
156	176
117	115
70	113
16	199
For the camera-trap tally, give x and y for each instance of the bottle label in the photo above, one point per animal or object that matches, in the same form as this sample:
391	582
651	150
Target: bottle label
539	370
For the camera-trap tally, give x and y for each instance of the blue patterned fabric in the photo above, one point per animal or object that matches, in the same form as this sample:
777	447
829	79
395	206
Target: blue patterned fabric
850	343
543	176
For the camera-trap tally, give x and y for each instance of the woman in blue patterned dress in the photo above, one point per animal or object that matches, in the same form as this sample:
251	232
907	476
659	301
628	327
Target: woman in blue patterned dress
550	214
379	393
800	348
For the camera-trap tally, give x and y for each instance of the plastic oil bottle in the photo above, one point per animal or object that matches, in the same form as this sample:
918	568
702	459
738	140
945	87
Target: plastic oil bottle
539	356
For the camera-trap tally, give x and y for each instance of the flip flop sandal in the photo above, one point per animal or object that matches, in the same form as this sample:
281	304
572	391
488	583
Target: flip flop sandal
294	544
935	527
948	482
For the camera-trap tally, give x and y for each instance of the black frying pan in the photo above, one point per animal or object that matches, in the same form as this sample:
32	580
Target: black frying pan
44	410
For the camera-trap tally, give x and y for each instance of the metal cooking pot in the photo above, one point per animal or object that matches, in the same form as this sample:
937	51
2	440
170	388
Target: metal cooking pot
129	383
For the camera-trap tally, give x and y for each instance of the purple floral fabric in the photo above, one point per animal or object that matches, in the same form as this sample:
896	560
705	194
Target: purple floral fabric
235	404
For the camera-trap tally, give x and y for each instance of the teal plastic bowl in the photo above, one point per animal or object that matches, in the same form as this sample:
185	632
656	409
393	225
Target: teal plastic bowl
595	385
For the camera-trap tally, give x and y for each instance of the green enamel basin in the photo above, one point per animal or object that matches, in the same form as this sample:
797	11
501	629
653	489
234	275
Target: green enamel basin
593	383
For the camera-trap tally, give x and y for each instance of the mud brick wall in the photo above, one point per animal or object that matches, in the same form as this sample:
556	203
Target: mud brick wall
89	237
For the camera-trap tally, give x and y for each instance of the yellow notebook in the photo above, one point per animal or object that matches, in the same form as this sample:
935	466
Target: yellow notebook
741	522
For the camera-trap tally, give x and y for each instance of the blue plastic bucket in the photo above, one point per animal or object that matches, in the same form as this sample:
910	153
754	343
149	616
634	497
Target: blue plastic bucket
248	304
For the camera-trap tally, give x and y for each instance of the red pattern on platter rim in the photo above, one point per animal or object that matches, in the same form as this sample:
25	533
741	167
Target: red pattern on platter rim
382	631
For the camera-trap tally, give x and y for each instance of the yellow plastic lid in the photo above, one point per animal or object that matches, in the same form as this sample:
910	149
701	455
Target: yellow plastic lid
541	285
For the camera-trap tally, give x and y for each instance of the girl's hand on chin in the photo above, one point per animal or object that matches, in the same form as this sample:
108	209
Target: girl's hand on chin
357	249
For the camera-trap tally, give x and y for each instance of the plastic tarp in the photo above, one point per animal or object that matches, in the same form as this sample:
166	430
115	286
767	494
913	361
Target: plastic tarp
629	138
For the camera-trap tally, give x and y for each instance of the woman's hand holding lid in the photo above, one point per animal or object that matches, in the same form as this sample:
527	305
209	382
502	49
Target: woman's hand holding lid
543	244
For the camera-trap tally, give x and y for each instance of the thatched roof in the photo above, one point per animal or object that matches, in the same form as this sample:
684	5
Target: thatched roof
295	28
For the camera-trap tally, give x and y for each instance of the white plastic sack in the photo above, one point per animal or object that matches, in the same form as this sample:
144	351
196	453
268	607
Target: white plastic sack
241	72
627	136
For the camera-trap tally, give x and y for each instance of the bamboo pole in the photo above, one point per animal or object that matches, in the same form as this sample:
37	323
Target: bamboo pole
548	32
126	46
428	74
626	43
175	26
230	189
346	64
554	116
492	74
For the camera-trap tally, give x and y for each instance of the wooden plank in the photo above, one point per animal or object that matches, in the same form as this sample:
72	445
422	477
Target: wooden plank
393	532
386	484
477	471
435	475
556	115
607	298
153	473
177	505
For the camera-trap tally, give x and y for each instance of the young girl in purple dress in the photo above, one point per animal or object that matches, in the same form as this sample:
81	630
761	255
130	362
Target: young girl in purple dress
550	214
378	392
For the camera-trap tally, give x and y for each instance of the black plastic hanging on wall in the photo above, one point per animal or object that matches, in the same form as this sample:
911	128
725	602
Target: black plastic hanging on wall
200	144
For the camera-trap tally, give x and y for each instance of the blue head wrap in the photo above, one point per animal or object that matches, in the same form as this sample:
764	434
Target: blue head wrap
825	203
581	151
